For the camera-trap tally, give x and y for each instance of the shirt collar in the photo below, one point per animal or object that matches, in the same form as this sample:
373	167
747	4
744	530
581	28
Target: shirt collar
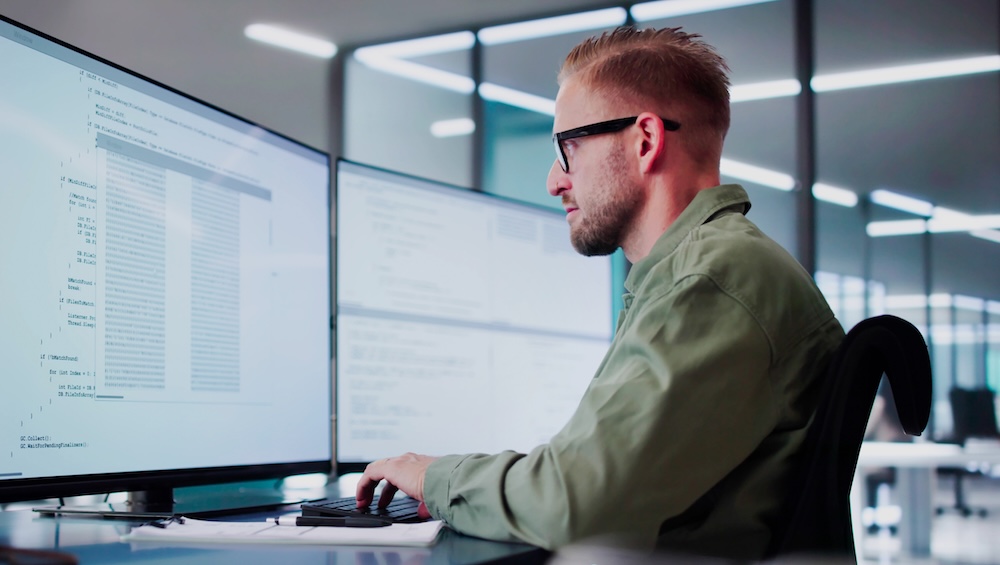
706	204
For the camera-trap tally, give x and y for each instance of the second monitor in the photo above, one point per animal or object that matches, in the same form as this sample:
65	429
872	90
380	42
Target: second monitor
465	322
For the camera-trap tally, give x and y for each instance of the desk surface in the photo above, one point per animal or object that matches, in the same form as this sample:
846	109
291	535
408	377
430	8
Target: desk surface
927	454
96	540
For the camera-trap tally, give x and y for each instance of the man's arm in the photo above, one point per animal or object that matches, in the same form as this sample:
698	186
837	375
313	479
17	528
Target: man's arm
683	398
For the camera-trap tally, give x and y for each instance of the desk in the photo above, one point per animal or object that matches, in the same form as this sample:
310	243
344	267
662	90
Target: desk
96	540
915	464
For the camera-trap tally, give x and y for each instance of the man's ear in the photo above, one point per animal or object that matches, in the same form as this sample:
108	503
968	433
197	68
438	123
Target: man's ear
652	147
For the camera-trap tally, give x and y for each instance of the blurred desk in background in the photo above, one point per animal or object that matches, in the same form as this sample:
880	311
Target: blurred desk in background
915	463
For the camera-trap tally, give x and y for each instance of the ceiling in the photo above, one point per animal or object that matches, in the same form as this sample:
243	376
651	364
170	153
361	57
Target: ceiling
198	47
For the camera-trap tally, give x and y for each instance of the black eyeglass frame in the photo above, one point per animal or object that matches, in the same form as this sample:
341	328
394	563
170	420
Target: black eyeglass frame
609	126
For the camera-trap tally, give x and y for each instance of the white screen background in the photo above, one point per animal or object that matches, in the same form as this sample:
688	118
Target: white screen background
164	300
465	323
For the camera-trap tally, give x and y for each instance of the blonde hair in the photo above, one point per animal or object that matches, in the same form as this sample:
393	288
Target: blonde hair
671	70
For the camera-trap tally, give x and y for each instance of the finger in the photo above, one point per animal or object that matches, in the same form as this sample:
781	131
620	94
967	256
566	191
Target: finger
422	510
370	479
388	491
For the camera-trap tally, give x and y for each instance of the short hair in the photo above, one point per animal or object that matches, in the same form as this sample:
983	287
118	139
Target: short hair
671	70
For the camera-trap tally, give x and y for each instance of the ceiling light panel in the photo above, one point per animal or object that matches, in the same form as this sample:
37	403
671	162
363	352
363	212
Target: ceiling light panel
453	128
905	73
670	8
417	72
757	175
835	195
291	39
517	98
765	90
432	45
900	202
547	27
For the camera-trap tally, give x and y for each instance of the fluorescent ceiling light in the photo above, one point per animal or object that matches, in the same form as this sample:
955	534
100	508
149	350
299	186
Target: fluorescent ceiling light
941	300
901	301
942	220
452	128
293	40
765	90
964	334
389	58
962	222
905	73
993	307
896	227
517	98
420	73
897	201
668	8
905	301
757	175
977	226
988	235
548	27
970	303
434	44
835	195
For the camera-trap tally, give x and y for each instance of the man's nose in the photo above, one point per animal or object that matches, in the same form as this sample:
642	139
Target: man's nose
557	181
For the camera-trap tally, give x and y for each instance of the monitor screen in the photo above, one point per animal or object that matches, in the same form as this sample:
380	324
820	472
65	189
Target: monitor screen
465	322
166	303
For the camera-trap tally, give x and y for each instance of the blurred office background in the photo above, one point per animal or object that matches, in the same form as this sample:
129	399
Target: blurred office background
867	133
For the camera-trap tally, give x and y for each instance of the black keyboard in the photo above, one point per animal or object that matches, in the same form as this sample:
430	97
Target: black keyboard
401	509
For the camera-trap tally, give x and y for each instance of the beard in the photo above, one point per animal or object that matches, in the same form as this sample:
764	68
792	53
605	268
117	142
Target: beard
610	212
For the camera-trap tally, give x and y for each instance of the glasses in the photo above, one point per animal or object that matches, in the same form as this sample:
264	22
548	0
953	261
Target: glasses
610	126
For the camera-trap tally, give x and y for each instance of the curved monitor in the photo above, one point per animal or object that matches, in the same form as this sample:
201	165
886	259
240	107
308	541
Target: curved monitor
465	322
165	290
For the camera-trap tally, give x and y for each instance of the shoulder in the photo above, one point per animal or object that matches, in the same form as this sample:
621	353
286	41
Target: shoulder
731	255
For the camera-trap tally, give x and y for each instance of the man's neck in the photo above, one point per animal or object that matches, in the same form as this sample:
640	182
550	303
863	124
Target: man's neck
668	197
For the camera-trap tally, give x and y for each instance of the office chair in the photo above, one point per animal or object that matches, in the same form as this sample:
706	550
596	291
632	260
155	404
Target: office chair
974	416
817	514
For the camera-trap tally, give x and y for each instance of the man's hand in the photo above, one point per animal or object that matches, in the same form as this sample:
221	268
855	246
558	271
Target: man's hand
405	473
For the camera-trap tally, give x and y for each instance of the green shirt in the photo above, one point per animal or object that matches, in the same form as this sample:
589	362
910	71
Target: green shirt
705	392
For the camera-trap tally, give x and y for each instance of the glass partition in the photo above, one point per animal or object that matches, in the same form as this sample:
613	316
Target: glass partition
901	124
906	142
408	107
758	43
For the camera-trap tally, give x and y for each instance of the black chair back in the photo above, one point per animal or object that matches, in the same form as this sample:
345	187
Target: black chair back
817	517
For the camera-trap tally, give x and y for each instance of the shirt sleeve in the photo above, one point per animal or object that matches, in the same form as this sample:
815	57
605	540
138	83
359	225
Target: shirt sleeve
680	400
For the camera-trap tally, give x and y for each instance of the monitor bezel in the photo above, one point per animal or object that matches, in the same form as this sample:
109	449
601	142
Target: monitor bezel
164	480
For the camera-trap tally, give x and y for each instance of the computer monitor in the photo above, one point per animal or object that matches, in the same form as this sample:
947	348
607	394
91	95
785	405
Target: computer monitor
465	322
165	314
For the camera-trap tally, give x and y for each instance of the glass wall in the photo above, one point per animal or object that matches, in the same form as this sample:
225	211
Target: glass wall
408	107
907	134
907	118
758	43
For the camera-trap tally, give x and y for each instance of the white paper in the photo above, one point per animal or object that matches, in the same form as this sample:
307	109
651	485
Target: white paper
209	531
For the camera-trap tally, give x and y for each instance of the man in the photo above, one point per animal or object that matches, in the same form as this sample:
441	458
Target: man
684	436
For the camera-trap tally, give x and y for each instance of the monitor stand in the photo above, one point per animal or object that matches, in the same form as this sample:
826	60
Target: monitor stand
203	502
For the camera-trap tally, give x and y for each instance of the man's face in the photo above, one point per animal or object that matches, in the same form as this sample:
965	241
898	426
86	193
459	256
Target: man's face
601	198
